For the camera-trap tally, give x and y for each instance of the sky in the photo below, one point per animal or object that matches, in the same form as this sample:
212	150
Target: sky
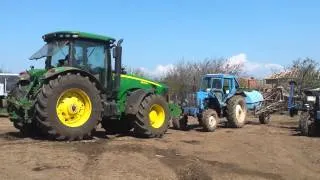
262	34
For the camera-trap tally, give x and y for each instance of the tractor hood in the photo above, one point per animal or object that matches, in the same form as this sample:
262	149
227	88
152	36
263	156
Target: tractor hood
130	81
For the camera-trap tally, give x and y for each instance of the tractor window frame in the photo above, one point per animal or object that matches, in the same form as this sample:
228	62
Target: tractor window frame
229	85
86	63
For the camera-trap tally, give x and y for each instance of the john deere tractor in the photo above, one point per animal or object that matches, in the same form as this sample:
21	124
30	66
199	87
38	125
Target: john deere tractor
83	84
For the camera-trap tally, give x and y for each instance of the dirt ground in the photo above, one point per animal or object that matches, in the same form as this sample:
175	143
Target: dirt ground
274	151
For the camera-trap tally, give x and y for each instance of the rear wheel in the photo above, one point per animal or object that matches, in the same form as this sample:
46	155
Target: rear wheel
152	119
236	112
264	118
307	127
210	120
68	107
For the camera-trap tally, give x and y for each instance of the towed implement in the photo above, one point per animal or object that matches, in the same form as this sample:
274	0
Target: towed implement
80	87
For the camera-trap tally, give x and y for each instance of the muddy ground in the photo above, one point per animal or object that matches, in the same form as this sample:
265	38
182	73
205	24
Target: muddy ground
274	151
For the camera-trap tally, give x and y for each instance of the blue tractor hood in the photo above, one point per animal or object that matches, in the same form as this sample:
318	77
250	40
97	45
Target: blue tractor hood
201	95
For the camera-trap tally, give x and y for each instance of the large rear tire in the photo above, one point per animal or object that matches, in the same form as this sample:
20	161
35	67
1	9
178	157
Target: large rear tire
152	119
68	107
236	112
210	120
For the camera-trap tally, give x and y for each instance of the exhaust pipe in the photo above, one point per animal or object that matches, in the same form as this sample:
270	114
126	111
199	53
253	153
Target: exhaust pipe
118	64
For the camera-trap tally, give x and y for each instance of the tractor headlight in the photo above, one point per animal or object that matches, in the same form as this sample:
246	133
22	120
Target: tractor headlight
311	99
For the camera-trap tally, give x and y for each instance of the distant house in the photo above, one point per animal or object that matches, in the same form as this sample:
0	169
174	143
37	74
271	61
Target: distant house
281	78
251	83
7	82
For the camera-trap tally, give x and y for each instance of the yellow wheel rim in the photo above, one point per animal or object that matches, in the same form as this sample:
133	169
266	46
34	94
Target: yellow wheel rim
73	107
156	116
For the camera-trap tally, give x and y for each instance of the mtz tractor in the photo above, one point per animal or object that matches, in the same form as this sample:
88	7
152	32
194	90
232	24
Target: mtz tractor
219	97
80	87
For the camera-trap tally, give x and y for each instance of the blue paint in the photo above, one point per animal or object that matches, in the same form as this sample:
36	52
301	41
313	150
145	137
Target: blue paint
253	99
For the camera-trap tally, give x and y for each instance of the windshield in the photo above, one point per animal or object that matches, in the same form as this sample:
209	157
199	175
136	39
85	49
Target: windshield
52	49
209	82
86	55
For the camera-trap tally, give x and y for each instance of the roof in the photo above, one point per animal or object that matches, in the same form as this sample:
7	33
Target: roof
77	34
284	75
220	75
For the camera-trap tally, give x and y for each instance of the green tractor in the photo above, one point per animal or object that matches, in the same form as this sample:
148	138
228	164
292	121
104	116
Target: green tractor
81	87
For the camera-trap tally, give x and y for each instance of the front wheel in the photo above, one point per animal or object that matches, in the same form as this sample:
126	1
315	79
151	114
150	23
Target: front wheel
152	118
210	120
17	114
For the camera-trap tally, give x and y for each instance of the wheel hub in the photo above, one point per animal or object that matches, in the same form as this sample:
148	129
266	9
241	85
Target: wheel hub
73	108
156	116
240	113
212	121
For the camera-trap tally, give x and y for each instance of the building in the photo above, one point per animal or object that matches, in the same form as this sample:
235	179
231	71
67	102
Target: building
282	78
7	82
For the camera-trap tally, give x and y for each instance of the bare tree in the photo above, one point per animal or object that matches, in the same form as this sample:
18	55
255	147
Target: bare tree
306	72
136	71
184	78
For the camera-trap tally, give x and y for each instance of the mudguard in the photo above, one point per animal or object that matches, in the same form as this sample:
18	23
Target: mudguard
133	100
54	72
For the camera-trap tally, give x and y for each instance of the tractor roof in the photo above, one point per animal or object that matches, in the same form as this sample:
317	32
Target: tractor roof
77	35
220	75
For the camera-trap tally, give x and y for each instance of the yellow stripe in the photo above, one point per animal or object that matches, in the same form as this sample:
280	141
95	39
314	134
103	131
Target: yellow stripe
140	79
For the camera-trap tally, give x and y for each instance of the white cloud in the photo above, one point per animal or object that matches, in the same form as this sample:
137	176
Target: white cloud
254	68
163	69
238	59
274	66
159	71
251	68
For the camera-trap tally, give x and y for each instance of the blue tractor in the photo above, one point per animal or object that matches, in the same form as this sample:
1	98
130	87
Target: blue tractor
218	100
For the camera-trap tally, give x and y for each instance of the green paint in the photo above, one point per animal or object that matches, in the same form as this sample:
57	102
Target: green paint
175	110
130	83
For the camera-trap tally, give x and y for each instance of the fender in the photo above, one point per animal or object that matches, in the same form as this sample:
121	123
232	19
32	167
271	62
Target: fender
54	72
134	99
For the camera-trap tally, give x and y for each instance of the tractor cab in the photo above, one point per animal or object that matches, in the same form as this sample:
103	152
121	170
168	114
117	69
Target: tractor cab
219	85
84	51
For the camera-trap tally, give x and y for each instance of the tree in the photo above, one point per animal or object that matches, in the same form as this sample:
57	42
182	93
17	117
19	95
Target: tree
184	78
306	72
136	71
